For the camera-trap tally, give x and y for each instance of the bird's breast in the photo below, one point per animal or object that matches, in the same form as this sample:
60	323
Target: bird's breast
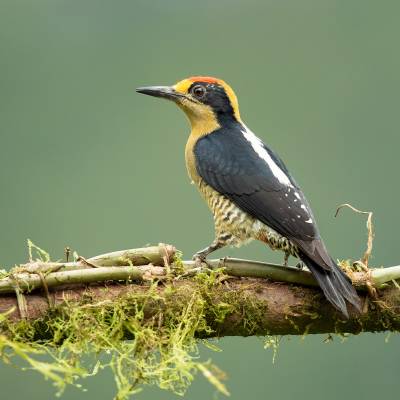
191	161
229	218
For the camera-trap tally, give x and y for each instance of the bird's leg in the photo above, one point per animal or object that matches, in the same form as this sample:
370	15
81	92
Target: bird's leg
201	256
286	258
220	241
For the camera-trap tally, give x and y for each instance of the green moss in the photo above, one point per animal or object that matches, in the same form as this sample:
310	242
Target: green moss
148	336
162	328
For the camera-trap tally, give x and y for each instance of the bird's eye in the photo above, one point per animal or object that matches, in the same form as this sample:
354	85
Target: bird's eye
198	91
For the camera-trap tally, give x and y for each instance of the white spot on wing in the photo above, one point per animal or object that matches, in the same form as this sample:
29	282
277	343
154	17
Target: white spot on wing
256	143
297	195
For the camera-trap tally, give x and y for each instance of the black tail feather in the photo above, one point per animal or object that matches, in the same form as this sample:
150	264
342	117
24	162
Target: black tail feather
335	284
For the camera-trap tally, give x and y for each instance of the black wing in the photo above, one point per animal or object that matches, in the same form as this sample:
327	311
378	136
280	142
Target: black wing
257	181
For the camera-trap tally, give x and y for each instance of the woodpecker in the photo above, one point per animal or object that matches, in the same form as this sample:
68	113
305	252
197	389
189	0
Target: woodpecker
248	187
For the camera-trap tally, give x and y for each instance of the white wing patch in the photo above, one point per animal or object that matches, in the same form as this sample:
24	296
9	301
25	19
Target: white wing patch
258	147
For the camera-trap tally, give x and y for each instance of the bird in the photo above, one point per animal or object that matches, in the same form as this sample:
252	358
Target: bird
247	186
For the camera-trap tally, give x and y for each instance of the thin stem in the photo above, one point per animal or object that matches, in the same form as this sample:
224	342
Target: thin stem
134	264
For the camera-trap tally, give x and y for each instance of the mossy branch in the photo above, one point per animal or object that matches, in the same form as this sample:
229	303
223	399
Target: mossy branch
164	305
111	269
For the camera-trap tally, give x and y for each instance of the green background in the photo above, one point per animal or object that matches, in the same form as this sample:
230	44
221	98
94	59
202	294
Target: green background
86	162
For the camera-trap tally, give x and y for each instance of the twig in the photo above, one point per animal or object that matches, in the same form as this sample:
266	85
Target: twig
142	256
67	252
29	282
86	262
368	252
75	273
46	288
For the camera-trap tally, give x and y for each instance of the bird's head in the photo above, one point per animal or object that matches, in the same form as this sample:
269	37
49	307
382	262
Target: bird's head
208	102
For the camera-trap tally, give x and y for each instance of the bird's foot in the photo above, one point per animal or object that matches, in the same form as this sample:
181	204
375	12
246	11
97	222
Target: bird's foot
300	265
201	264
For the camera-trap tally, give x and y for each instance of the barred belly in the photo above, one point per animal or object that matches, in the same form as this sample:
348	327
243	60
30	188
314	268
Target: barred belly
236	227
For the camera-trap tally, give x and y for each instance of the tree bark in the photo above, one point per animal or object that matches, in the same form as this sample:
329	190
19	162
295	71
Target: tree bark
281	308
268	299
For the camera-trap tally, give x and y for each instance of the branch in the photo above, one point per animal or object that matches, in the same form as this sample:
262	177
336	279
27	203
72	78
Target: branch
163	305
288	302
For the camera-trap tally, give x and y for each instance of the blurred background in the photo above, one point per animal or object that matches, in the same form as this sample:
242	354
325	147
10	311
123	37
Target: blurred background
86	162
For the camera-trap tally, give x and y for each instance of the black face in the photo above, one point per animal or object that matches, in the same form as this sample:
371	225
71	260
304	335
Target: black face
213	95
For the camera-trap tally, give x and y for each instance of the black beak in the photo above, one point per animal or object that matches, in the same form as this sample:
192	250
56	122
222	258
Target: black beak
167	92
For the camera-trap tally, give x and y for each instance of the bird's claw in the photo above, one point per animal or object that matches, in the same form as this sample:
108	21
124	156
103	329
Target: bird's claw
300	265
201	264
